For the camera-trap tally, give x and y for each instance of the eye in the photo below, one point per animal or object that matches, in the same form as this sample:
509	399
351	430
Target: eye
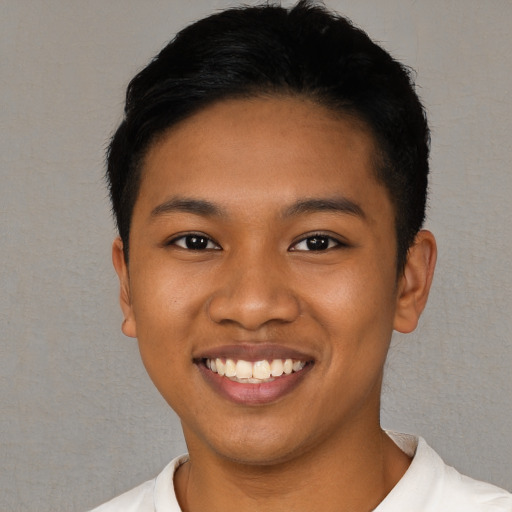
195	242
317	242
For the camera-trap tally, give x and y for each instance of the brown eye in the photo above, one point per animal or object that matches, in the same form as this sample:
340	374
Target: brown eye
195	242
316	243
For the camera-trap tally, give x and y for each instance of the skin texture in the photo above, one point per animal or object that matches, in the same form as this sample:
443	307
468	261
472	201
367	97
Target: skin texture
319	446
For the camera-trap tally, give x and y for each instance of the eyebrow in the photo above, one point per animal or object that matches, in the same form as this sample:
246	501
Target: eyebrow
188	205
304	206
332	204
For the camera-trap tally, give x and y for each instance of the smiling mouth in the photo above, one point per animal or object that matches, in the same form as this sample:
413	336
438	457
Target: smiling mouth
257	372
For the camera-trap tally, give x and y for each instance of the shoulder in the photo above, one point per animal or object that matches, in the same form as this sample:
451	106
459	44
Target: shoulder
138	499
151	496
430	485
472	495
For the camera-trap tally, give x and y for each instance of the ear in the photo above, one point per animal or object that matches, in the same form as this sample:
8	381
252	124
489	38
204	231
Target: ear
121	267
414	284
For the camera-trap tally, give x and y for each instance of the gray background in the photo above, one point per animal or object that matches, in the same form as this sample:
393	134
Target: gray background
79	419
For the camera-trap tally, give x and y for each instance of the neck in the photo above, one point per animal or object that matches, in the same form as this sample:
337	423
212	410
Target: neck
354	473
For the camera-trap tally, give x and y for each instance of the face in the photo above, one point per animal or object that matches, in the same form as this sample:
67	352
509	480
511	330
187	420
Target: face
262	280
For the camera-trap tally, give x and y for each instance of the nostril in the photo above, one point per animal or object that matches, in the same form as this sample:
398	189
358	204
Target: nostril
252	311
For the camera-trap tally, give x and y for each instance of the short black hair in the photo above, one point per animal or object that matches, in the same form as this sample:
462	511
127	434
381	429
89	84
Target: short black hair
304	51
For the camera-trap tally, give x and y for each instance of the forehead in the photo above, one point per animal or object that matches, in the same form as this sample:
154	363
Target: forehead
263	153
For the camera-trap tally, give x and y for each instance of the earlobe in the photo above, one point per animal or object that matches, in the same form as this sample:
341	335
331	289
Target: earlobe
128	326
414	284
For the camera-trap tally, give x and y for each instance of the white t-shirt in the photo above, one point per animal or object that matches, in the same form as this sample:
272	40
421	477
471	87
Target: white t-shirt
429	485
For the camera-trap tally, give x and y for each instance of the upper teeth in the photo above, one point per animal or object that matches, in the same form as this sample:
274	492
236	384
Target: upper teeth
259	370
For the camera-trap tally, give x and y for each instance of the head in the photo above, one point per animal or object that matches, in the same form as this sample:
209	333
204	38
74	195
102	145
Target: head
268	180
269	51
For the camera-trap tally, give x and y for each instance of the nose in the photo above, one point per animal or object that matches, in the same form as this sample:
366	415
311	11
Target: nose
256	291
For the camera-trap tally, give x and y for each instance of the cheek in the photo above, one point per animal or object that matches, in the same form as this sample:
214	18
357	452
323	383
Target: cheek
357	311
353	296
166	308
163	294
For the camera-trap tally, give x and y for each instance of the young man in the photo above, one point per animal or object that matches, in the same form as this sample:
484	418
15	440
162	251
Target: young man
269	183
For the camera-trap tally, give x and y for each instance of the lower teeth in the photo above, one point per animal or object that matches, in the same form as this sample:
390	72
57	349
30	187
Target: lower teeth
250	381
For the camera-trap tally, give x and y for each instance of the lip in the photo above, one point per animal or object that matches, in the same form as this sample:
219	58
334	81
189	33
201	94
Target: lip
253	352
253	394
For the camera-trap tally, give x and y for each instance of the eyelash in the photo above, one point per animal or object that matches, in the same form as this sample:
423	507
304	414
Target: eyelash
332	243
203	237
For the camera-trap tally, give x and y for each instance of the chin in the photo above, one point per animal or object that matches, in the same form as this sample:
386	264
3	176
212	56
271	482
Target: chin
258	447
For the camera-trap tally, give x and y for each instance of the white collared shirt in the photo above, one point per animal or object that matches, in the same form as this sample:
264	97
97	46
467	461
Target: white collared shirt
429	485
